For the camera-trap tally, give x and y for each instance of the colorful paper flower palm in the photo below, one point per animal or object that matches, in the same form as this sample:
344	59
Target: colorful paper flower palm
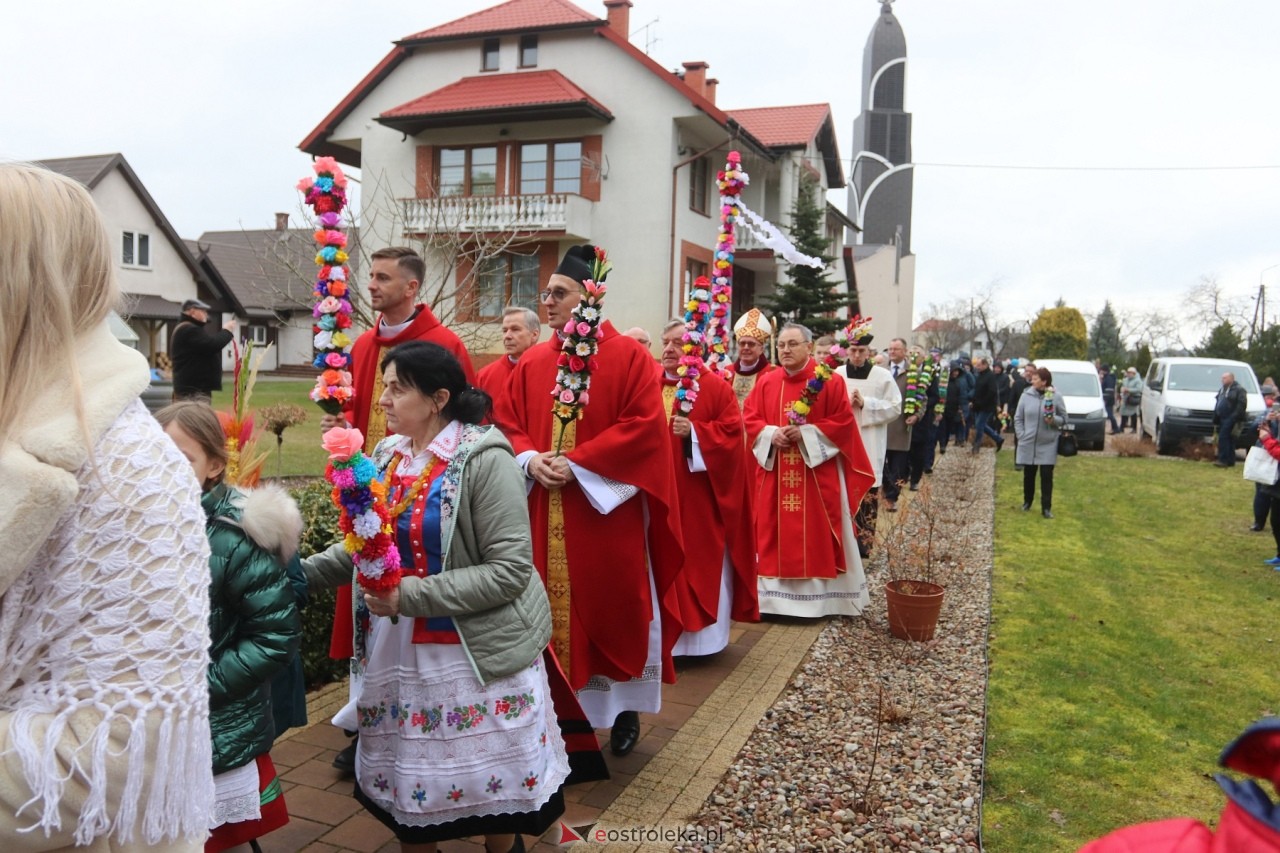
578	352
326	193
731	181
365	520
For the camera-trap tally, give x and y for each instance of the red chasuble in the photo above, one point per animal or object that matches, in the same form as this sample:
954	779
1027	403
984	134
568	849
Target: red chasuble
798	507
493	378
715	505
365	415
594	565
743	381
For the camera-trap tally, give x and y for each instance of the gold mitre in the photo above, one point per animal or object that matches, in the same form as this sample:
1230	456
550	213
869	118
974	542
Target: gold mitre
753	324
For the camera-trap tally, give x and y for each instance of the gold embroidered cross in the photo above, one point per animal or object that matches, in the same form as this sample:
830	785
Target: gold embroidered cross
792	503
792	478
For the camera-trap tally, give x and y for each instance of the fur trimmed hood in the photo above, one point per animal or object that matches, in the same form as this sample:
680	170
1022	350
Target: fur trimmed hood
271	518
40	461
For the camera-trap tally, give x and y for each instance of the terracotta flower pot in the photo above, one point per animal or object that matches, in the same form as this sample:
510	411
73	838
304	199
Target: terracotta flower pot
913	608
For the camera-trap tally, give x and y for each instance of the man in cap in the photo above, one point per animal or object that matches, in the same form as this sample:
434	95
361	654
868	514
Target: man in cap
604	519
752	331
520	330
811	475
197	353
708	452
876	401
395	278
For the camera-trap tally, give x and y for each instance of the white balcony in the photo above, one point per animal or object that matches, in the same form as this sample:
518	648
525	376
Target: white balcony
562	212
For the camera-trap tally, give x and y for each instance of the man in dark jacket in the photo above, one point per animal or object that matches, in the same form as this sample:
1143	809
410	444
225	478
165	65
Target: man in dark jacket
1228	411
197	353
1109	395
985	399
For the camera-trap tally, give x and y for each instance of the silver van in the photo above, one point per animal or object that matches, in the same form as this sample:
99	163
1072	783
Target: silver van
1177	403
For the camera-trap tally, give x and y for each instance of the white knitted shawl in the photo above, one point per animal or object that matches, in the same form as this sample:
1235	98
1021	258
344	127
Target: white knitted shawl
104	612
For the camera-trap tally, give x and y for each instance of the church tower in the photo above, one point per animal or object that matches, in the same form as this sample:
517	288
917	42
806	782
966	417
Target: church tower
881	185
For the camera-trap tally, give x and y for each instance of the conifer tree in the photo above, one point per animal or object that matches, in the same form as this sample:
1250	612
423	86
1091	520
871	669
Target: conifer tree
810	297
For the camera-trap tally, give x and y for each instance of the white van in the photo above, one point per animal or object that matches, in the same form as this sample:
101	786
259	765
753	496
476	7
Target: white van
1177	402
1078	385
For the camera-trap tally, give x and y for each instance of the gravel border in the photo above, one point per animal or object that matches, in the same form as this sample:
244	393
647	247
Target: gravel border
878	743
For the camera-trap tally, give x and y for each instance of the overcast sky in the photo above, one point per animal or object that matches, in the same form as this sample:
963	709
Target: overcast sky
209	103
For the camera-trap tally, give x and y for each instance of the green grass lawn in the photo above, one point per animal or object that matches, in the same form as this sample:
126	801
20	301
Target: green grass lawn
301	455
1133	637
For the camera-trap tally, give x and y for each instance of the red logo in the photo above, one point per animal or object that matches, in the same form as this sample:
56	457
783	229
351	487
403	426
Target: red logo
568	834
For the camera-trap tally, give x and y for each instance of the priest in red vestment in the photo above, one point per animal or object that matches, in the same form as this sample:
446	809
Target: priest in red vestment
710	459
606	527
752	332
810	479
395	275
520	330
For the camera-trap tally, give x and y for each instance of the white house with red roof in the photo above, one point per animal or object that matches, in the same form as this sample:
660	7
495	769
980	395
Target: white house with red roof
538	119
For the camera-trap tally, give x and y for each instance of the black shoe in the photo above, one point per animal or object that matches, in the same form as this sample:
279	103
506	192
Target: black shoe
345	760
915	487
625	733
942	451
1047	514
1256	528
999	444
1026	506
928	470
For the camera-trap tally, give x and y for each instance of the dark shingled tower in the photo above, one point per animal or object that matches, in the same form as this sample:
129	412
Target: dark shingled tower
883	128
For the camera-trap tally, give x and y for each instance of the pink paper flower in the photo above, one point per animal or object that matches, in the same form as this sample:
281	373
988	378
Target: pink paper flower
342	444
566	396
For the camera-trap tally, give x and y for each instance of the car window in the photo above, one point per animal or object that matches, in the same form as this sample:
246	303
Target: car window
1077	384
1207	377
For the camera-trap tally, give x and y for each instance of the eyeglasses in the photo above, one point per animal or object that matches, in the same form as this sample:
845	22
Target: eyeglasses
792	344
559	294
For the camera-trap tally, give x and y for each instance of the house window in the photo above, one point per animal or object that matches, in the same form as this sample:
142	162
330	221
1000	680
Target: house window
489	55
257	334
528	51
136	249
469	171
698	185
505	280
692	269
550	167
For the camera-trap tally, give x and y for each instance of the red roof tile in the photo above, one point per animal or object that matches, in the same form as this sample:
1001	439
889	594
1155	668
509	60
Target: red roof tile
783	127
498	91
508	17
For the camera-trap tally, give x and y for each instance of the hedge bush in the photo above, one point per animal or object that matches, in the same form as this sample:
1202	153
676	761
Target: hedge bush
321	519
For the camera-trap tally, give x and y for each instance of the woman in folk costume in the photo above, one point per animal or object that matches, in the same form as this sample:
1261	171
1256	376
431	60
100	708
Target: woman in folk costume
254	624
458	735
812	472
104	607
753	332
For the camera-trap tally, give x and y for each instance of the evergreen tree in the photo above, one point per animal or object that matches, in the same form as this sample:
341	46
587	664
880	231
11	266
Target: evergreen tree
1104	338
1264	353
810	297
1223	342
1059	332
1142	359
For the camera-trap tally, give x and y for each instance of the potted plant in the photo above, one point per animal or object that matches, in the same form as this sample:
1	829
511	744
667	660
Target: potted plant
914	590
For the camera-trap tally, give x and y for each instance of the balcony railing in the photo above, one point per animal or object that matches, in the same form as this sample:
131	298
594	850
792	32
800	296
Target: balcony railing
555	212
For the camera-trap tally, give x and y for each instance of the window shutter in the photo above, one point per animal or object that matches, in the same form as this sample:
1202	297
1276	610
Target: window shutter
425	172
592	166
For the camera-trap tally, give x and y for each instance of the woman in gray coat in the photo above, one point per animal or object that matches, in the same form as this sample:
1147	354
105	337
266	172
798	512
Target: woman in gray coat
1038	422
458	736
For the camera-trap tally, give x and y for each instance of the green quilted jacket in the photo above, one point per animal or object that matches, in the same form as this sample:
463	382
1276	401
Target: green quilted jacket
253	619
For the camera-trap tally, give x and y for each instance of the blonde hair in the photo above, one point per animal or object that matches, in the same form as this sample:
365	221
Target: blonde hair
57	282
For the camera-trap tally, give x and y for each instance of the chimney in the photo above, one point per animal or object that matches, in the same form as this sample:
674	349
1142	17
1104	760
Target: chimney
695	76
282	222
619	17
710	91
